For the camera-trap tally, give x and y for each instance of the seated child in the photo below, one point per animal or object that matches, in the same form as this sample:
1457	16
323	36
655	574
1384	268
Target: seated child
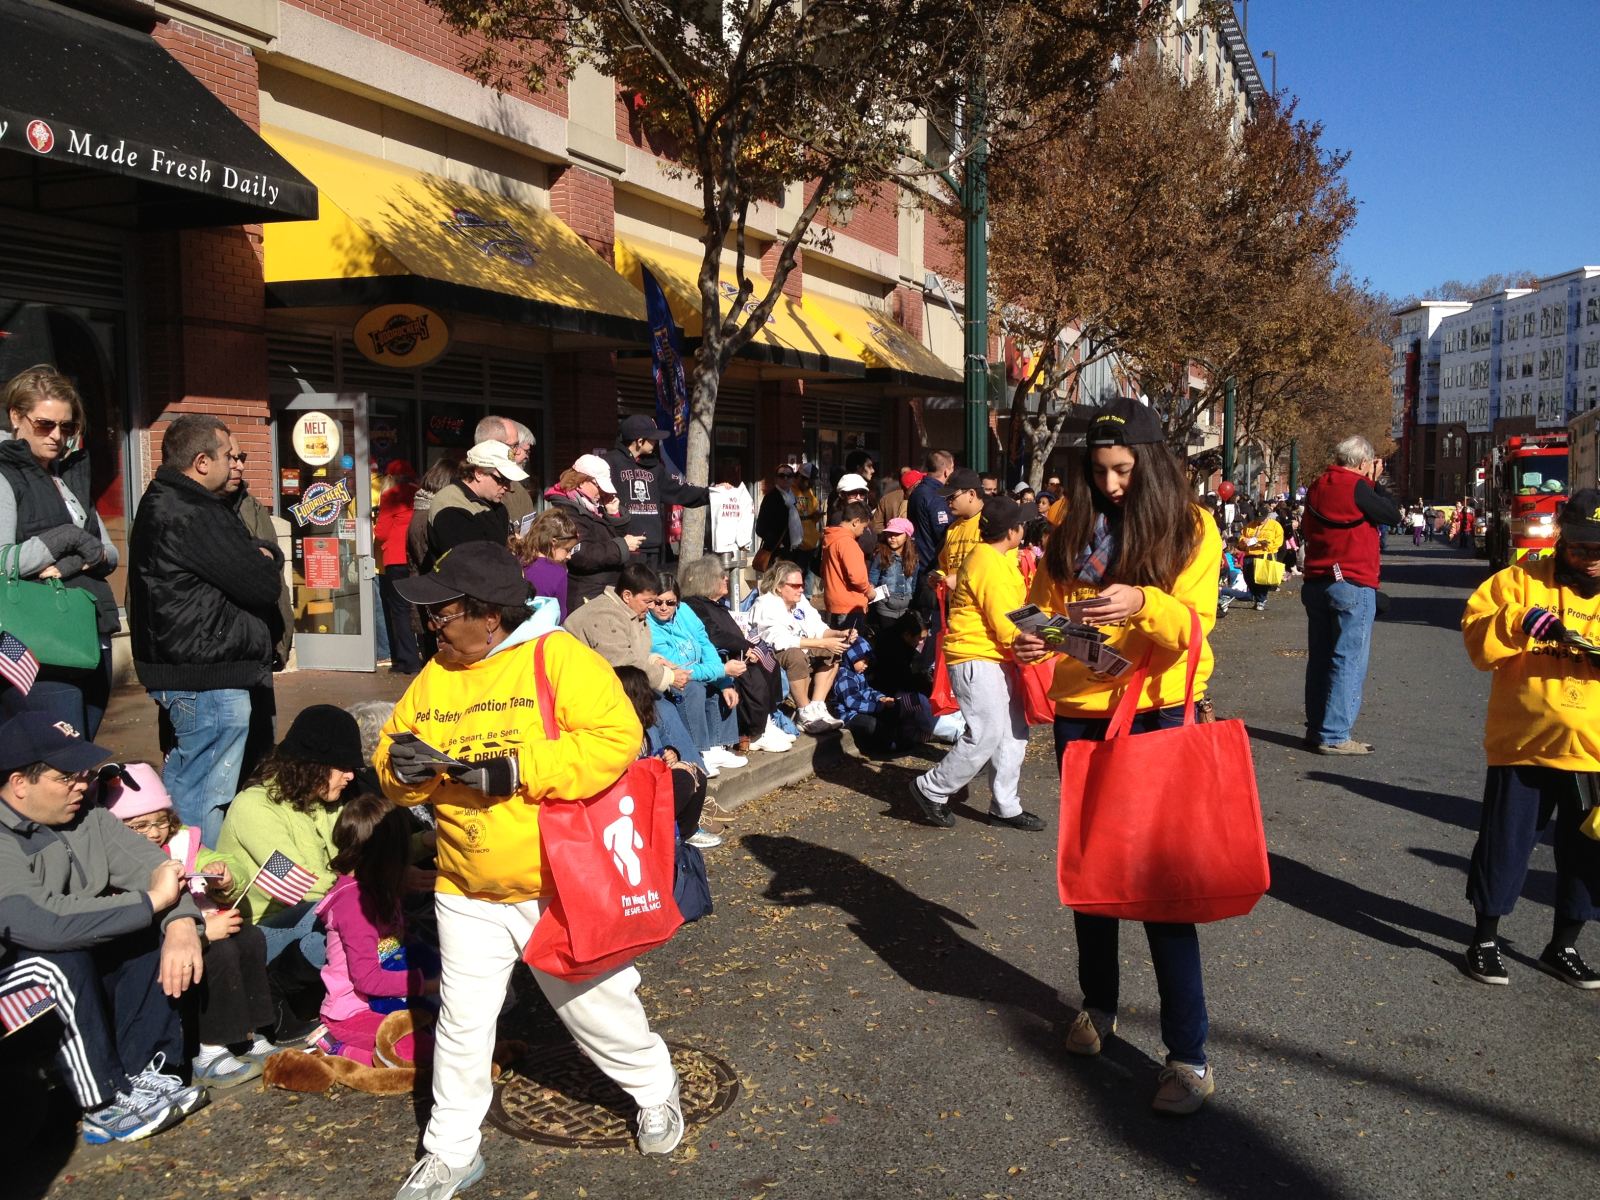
688	781
373	968
235	996
881	724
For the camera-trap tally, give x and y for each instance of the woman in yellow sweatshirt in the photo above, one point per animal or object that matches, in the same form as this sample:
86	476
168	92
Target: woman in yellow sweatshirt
1259	542
1530	625
1134	555
477	701
977	648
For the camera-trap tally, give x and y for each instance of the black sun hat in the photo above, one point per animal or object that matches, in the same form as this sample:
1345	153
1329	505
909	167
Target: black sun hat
1122	421
1580	519
486	571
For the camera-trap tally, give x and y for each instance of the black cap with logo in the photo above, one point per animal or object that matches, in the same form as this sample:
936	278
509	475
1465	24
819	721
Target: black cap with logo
1000	515
1580	519
34	737
962	479
486	571
1124	422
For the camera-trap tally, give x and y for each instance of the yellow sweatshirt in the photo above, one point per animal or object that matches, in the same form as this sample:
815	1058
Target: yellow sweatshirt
1161	626
1544	699
958	543
987	587
489	846
1268	535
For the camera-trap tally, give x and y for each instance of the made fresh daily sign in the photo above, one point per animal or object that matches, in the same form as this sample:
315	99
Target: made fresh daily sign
107	151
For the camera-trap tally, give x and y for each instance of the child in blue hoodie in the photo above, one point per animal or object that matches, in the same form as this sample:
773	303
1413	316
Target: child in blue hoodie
883	725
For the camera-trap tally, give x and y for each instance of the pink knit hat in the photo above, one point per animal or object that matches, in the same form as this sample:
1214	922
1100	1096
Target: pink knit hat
899	525
145	793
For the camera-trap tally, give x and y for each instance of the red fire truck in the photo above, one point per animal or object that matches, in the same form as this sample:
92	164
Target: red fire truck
1525	488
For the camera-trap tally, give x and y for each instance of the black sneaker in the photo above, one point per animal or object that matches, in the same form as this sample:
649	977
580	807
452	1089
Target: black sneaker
933	814
1485	964
1023	820
1567	965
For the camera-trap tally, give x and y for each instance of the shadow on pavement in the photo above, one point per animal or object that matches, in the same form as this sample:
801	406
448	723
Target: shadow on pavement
1294	741
1382	918
1422	568
1539	886
919	940
40	1120
1459	811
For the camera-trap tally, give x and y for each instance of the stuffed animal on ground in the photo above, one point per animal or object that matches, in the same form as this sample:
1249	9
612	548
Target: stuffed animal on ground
393	1072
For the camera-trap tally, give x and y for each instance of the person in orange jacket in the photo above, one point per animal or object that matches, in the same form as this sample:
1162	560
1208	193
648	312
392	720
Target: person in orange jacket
846	590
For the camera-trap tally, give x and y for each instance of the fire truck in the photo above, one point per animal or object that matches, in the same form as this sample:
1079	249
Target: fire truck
1526	486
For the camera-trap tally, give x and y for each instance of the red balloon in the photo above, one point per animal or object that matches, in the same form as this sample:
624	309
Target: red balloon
1225	491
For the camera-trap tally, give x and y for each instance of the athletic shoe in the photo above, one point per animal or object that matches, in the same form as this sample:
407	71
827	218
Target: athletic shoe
432	1179
1089	1030
1182	1089
775	730
710	770
934	814
185	1097
1348	746
723	757
704	839
770	744
225	1071
129	1118
1261	606
813	718
1485	964
1567	965
1023	820
660	1126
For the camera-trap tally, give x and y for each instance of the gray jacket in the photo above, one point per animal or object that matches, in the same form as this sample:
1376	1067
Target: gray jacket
74	886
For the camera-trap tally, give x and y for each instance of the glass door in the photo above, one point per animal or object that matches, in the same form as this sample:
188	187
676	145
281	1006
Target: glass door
325	493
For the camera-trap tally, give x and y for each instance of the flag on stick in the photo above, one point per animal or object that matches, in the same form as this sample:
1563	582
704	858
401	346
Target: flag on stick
17	664
285	880
24	1005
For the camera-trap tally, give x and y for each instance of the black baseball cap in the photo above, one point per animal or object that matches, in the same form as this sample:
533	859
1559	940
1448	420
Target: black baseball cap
1000	515
962	479
1124	422
33	737
486	571
1580	519
640	426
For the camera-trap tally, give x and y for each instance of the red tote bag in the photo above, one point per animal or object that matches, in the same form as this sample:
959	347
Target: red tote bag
1035	680
610	858
943	698
1165	825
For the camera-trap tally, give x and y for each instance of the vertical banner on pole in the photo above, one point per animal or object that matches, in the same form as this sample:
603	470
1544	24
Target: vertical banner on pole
666	367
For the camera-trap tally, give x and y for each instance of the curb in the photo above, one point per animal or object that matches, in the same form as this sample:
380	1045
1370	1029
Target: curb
733	789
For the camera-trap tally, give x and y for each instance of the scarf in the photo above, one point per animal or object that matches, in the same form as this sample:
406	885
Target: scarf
1098	557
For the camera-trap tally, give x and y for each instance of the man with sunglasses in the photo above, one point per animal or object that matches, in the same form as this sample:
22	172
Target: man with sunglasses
472	509
202	604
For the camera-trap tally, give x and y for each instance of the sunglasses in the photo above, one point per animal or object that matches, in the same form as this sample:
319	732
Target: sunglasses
664	604
785	474
438	620
241	459
44	428
794	583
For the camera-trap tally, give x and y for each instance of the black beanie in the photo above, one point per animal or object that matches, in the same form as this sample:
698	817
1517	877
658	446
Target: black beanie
326	735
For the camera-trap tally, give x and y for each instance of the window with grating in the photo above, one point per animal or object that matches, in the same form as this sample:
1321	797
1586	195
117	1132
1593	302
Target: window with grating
515	383
292	357
40	265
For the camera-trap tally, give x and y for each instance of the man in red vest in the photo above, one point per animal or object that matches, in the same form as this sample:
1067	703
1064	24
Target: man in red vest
1344	508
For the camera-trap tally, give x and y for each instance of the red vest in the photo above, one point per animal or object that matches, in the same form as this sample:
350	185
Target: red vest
1337	532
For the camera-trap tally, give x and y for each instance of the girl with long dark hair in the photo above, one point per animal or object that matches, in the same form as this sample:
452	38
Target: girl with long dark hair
1135	555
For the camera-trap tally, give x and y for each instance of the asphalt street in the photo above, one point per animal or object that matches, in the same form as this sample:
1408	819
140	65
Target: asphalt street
893	996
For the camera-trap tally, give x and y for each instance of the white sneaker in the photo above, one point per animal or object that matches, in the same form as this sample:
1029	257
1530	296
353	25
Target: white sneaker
813	719
771	745
432	1179
155	1080
827	718
774	730
704	839
661	1126
721	756
711	771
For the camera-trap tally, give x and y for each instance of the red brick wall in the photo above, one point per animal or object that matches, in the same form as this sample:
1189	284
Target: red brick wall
795	281
204	340
941	248
414	27
908	310
588	204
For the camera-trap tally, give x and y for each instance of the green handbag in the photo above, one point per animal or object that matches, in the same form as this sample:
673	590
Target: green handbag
54	621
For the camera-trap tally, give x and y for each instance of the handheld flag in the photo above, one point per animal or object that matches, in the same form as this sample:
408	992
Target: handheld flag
283	879
24	1005
18	666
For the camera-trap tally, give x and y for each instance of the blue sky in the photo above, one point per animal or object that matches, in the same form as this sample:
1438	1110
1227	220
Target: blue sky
1471	125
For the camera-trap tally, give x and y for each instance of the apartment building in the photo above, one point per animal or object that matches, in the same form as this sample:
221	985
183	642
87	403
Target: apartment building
1414	378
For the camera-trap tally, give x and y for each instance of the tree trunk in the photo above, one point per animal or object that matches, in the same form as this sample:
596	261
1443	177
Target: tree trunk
703	386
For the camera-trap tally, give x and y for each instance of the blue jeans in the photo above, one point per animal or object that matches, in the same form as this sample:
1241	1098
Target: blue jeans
202	769
709	721
1174	949
669	730
1339	617
297	923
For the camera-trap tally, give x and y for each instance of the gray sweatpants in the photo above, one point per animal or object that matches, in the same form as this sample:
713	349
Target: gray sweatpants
996	737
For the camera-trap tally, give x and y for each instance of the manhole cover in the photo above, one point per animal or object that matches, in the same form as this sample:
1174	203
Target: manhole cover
557	1097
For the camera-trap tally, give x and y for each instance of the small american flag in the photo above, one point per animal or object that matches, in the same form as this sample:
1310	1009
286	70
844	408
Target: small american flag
283	879
19	1007
764	655
17	663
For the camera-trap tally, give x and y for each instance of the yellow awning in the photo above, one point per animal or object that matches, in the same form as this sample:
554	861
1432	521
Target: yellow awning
381	220
882	343
791	337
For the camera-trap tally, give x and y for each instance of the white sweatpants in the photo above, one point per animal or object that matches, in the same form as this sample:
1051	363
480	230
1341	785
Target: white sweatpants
996	736
480	943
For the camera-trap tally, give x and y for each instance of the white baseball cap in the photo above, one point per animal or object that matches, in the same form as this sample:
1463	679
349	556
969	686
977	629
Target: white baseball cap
597	469
496	456
852	483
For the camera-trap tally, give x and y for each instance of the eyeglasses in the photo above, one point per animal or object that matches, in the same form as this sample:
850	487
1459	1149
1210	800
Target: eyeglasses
156	824
663	603
43	428
785	474
794	583
241	459
438	620
83	777
499	479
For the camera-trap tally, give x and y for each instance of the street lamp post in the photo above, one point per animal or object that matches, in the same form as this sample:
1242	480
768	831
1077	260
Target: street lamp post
1272	54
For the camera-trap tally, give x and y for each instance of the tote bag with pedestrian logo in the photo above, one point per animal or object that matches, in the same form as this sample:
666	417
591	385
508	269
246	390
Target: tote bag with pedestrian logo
1165	825
611	860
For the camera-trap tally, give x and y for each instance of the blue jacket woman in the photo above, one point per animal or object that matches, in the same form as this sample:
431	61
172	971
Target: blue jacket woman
680	637
708	701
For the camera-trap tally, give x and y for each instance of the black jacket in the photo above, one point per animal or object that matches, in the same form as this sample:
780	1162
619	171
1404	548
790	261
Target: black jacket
456	516
40	509
648	491
202	597
600	554
772	523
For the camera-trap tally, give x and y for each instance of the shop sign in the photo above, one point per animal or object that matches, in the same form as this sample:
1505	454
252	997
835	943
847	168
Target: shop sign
446	429
323	504
402	335
107	151
289	481
321	562
316	439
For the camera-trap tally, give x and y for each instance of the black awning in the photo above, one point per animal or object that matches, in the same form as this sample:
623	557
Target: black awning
99	123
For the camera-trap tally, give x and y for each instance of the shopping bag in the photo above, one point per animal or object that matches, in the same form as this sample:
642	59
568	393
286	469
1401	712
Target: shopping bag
57	623
1162	826
1269	572
1034	680
943	697
611	863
